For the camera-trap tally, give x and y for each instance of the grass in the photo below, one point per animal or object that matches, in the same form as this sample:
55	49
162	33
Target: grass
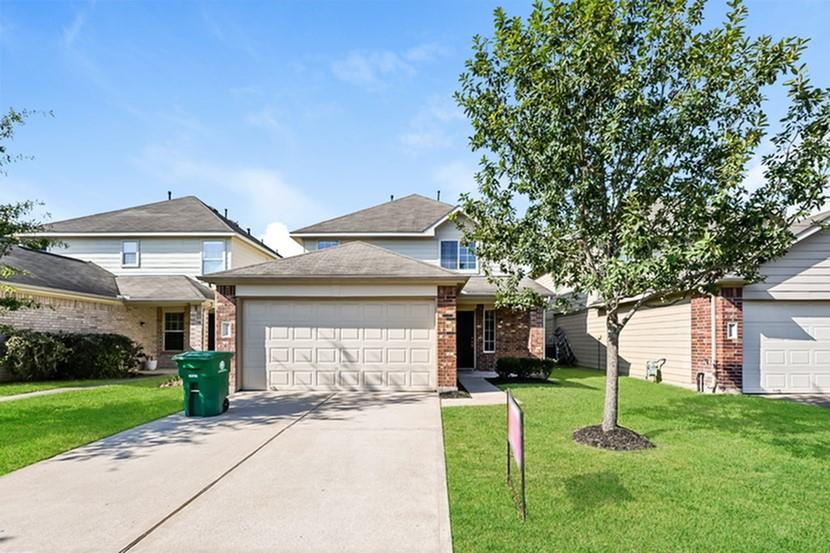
41	427
730	473
14	388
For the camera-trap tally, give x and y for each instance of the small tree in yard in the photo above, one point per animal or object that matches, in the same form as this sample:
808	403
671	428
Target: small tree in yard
616	138
14	217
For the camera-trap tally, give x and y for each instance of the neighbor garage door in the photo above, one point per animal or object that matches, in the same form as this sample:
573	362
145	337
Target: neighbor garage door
331	344
786	346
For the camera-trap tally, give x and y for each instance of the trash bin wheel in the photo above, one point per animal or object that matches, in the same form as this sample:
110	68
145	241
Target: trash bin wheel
225	405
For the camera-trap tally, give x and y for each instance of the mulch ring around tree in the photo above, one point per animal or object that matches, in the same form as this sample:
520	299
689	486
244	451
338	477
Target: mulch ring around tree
619	439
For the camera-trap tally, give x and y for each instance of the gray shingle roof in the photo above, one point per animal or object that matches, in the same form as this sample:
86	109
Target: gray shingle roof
49	270
187	214
163	288
481	286
809	222
413	213
350	260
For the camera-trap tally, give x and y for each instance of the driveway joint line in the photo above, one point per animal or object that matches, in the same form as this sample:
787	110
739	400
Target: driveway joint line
211	484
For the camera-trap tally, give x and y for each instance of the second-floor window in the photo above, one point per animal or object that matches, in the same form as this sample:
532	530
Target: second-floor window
213	256
130	253
325	244
455	256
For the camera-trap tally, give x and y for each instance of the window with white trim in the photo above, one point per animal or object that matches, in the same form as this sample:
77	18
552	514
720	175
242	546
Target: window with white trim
226	329
326	244
174	331
489	333
458	257
130	253
213	256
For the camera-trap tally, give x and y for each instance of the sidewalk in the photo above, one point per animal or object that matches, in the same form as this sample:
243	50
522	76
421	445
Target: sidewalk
480	390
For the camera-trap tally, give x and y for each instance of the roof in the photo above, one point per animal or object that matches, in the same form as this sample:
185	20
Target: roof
410	214
800	228
188	214
479	286
49	270
163	288
352	260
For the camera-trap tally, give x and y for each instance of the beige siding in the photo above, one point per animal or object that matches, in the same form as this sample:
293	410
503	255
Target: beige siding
585	330
652	333
802	274
244	254
159	256
659	332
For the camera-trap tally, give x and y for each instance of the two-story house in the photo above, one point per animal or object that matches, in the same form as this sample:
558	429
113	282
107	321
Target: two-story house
384	298
132	271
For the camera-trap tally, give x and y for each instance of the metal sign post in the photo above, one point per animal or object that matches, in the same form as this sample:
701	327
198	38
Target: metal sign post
516	450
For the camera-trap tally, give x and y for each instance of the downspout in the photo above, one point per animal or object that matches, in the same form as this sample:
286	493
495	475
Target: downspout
713	330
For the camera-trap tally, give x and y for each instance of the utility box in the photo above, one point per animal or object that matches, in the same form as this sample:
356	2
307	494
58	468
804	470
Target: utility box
204	377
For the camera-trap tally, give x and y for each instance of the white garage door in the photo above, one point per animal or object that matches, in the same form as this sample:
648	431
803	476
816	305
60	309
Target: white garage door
786	346
330	344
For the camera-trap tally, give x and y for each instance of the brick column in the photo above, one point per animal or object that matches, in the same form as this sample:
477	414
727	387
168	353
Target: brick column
729	352
536	333
226	312
195	328
445	336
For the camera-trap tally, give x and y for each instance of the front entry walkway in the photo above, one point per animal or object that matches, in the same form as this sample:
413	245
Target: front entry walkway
279	472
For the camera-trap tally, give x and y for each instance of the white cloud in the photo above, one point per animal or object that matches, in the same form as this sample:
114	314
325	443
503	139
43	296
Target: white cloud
268	120
276	236
260	195
755	177
371	69
430	127
425	52
454	178
71	31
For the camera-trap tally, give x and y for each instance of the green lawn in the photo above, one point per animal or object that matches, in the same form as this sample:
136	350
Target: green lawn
41	427
14	388
730	473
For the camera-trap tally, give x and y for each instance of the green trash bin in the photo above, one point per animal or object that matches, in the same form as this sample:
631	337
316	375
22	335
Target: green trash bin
205	381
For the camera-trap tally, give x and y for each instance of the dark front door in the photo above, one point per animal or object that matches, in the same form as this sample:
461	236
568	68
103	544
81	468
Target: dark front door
465	339
211	331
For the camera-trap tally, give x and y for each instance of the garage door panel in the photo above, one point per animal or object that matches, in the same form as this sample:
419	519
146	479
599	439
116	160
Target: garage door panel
786	346
331	344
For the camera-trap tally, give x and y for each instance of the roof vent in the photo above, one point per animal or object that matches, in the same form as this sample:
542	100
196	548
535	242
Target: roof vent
226	213
249	230
169	195
391	197
439	195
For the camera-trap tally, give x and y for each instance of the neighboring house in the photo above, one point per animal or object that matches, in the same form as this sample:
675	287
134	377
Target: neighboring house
385	298
132	271
770	337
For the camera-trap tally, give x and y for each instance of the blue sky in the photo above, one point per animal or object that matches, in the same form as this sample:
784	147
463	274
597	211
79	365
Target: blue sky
285	113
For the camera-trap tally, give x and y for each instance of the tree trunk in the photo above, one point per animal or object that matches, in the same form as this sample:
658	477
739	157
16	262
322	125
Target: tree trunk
609	417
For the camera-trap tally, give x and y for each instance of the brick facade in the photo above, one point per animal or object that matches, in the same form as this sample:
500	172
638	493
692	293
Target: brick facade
518	334
57	314
226	303
728	352
446	321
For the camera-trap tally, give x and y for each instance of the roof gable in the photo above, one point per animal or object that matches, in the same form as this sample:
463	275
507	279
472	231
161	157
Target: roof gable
410	214
350	260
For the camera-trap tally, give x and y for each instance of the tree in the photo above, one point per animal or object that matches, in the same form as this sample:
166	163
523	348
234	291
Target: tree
15	218
616	136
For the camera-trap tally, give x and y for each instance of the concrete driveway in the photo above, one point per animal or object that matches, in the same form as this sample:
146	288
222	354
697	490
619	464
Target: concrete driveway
279	472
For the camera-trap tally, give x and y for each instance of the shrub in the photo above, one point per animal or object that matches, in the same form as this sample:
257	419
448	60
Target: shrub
99	356
29	355
524	367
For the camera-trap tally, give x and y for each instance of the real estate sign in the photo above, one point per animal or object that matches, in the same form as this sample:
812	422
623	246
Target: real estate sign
516	451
